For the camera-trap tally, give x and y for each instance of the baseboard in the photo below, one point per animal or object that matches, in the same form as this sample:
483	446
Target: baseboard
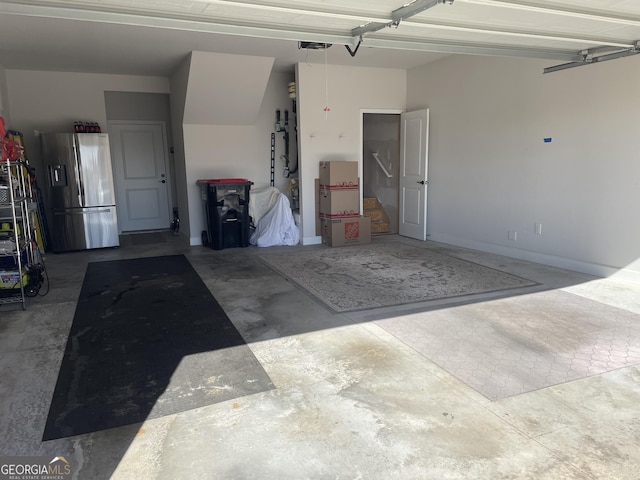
316	240
598	270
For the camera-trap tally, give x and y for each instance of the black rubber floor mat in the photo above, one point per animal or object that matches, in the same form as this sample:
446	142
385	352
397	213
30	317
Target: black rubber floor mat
148	339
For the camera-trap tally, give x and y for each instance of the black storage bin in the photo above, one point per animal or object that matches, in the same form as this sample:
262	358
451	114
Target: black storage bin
226	208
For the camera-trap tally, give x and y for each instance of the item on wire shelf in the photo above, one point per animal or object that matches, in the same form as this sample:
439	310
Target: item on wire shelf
7	245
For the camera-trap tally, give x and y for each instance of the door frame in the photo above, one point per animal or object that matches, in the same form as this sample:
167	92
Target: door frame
165	149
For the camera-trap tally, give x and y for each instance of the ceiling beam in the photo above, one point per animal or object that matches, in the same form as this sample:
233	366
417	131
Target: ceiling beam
583	13
137	9
282	33
515	33
188	25
467	49
343	15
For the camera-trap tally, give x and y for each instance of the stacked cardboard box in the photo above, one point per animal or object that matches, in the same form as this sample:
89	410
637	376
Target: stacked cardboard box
339	205
371	207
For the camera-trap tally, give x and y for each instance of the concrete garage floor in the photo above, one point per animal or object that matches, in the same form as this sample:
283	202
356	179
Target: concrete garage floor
352	401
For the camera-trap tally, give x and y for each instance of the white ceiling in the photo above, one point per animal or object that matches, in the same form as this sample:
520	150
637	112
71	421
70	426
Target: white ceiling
150	37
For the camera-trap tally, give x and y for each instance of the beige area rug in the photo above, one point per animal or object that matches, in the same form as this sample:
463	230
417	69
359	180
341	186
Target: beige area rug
369	276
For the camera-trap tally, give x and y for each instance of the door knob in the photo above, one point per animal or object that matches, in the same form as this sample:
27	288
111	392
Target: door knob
162	181
422	182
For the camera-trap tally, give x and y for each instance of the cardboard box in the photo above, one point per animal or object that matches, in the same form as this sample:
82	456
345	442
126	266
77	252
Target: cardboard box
339	203
369	203
346	231
339	175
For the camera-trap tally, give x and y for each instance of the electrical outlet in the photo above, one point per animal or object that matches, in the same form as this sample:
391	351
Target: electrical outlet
512	235
537	228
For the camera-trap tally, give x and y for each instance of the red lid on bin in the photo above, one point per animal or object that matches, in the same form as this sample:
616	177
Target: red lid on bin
225	180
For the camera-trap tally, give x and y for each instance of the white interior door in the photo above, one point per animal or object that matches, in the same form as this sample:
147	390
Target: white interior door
414	146
140	159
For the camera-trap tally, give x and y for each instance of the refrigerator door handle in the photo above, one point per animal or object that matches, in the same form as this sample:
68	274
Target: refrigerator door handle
75	212
76	156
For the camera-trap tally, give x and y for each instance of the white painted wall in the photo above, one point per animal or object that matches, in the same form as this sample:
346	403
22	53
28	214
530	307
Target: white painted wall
178	81
5	111
336	135
231	151
491	171
52	101
225	89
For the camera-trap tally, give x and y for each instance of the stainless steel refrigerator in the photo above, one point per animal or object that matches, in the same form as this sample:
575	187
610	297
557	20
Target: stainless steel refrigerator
79	192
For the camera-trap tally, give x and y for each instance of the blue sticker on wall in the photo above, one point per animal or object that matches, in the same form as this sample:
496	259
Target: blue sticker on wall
547	140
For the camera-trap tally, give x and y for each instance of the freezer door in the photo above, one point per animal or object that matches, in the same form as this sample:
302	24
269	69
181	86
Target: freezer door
95	175
62	188
84	228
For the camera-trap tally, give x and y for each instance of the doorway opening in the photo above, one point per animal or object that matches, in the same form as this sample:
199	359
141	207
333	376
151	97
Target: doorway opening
380	171
139	126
